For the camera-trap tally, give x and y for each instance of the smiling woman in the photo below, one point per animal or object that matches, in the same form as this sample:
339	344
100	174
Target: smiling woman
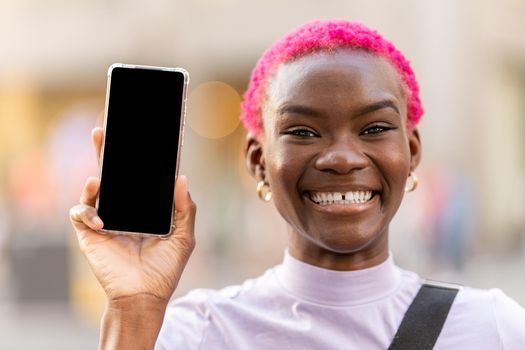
335	124
331	112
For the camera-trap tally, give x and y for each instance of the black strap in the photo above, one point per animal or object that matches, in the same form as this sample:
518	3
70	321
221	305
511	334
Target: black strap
425	317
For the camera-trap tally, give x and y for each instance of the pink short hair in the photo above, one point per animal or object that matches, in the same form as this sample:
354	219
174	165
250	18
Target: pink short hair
324	35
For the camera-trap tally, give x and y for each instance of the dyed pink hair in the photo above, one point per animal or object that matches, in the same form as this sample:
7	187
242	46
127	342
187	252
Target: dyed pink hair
324	35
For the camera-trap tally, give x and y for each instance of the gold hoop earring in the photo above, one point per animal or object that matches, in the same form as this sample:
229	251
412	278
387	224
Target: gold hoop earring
263	190
412	182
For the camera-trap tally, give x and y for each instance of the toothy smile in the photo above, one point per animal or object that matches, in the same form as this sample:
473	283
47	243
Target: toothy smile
351	197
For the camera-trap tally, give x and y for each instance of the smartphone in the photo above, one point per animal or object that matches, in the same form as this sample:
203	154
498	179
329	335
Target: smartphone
144	130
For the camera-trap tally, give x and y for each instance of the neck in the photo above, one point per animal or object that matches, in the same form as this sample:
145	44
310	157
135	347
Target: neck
313	253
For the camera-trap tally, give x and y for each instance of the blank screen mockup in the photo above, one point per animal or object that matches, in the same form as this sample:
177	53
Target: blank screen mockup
141	150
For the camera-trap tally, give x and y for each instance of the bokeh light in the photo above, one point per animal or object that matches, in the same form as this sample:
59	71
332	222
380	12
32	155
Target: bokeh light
213	109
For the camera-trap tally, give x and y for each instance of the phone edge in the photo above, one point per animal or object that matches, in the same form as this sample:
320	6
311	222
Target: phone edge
179	145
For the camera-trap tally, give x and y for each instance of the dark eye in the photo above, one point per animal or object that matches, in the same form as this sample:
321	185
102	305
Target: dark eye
376	129
304	133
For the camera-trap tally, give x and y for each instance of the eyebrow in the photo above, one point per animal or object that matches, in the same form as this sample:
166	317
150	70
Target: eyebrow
377	106
298	109
308	111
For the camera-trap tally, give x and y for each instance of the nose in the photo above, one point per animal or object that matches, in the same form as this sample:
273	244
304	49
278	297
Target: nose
341	157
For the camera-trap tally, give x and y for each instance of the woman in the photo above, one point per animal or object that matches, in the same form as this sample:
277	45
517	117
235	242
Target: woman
331	112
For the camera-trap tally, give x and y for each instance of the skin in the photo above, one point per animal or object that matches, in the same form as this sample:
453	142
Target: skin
333	122
336	122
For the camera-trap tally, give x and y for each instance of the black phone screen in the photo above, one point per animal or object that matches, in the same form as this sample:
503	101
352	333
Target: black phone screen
140	156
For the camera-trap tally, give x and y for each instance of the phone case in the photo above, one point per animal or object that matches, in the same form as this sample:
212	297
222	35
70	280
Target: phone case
180	141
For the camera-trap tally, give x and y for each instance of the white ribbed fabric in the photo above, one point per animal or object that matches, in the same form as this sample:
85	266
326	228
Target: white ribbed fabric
299	306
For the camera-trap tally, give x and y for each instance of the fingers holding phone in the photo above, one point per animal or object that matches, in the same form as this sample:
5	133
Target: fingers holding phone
88	215
97	138
131	265
84	217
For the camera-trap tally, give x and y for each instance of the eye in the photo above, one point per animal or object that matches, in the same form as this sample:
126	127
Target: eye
301	132
376	129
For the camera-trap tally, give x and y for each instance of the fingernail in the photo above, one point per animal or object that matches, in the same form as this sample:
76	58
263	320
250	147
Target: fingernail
97	221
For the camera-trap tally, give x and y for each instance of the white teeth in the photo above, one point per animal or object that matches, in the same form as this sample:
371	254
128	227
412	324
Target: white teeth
350	197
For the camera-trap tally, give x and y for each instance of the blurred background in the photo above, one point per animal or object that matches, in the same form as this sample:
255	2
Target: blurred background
465	223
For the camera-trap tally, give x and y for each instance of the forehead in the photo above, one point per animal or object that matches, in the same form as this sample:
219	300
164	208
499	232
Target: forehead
353	76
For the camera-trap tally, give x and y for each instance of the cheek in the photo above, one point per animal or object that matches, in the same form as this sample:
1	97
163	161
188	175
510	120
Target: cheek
284	171
399	168
281	170
395	167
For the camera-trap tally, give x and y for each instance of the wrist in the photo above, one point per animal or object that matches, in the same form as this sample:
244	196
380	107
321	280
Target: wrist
132	322
137	304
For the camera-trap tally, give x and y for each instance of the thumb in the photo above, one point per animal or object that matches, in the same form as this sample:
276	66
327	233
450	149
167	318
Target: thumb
183	201
184	209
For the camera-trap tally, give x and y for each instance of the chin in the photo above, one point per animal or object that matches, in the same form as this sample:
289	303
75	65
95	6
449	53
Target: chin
347	243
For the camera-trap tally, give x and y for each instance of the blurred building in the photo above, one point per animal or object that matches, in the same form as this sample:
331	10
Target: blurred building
469	57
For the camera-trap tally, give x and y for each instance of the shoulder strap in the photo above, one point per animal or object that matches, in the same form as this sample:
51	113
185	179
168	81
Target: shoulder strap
425	317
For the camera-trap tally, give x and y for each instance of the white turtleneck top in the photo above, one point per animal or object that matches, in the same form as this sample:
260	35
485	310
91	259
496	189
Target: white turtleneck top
299	306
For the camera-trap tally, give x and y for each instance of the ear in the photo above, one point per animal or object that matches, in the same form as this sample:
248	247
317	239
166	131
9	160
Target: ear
253	152
414	143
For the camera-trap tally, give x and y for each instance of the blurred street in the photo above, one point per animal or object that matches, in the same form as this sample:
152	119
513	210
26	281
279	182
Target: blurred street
465	223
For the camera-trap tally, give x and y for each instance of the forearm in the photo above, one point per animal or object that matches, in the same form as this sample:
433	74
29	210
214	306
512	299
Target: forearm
132	323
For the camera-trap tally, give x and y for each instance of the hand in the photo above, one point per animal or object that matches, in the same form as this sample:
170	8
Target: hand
131	266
